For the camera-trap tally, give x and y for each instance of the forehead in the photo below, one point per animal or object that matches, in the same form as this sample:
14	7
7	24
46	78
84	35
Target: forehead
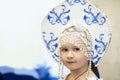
71	41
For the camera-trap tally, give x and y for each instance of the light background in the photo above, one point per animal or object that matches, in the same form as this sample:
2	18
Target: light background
20	38
110	65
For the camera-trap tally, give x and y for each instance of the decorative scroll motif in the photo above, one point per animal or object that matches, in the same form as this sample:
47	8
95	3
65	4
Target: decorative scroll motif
72	2
91	17
100	48
95	58
61	17
51	44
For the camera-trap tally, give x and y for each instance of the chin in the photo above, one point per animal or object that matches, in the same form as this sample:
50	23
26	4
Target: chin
71	68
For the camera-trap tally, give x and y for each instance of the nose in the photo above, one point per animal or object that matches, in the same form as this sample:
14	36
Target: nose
70	55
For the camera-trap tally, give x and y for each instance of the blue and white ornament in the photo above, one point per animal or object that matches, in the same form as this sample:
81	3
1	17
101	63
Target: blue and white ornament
77	12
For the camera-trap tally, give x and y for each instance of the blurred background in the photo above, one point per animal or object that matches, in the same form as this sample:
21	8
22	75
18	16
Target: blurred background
21	46
110	65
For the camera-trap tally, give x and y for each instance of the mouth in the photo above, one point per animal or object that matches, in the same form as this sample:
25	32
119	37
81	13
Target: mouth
70	62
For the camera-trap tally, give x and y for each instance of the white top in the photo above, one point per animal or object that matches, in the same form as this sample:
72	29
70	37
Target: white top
90	78
93	78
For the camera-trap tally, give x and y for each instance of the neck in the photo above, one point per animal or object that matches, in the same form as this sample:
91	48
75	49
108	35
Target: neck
75	74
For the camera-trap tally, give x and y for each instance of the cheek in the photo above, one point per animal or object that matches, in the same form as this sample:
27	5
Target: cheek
83	60
62	57
63	54
63	60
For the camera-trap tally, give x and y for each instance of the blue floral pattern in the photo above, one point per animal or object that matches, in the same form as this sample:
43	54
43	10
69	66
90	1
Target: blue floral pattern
72	2
62	17
101	46
95	57
91	17
51	44
72	11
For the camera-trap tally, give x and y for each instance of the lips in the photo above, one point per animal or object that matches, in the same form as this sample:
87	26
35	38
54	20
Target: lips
70	62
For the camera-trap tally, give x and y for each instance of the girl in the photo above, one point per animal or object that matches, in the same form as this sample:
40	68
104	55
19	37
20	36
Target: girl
75	52
78	47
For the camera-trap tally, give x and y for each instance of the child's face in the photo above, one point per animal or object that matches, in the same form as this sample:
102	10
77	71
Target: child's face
73	56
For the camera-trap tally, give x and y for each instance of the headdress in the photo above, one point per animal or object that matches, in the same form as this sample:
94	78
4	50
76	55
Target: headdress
78	36
82	14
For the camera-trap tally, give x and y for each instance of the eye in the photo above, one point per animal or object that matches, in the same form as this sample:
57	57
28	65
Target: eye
76	49
64	49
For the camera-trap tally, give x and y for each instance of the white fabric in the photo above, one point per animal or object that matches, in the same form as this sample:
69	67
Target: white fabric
90	78
81	13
